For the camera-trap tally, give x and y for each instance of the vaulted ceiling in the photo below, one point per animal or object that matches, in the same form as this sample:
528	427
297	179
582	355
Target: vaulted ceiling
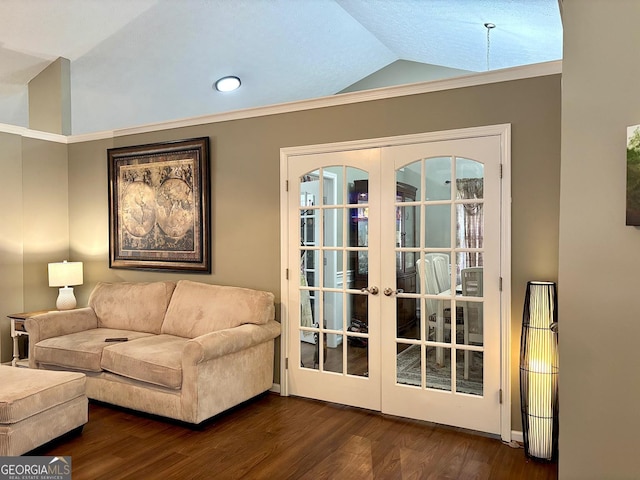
135	62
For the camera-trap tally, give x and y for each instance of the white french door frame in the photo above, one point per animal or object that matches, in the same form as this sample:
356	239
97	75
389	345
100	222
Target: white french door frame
501	130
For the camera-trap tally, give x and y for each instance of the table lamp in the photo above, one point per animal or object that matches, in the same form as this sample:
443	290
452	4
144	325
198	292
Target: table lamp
65	275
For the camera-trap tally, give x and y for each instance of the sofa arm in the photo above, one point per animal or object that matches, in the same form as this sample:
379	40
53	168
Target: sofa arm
57	323
63	322
223	342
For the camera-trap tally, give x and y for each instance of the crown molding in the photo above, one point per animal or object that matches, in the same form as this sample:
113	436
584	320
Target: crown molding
90	137
36	134
471	80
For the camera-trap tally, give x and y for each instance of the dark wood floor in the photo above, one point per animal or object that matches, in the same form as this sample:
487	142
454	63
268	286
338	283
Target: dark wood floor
275	437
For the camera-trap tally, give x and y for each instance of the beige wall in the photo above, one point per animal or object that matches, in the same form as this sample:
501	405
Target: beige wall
50	98
11	236
34	225
46	217
598	292
245	182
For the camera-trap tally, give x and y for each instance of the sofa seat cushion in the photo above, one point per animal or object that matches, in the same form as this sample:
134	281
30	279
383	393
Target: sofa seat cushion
156	359
80	350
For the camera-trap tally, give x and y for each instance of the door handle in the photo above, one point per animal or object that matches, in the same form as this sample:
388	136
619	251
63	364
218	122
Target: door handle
388	291
372	290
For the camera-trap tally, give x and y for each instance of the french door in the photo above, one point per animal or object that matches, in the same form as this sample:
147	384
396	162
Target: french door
329	231
395	257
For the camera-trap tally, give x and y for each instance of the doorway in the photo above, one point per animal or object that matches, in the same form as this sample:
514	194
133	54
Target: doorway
394	298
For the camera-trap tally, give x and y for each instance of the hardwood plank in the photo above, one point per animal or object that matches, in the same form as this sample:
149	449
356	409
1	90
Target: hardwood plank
275	437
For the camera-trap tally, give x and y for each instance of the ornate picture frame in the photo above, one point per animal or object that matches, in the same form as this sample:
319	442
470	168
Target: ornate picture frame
159	212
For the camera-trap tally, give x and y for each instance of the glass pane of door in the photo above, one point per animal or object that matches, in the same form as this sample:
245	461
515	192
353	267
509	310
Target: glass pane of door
309	268
358	320
334	270
470	228
407	241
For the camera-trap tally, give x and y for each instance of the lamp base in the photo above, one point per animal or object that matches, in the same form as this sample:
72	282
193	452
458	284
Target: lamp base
66	299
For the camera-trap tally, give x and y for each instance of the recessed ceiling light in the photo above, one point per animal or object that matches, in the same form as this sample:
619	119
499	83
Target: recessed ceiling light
227	84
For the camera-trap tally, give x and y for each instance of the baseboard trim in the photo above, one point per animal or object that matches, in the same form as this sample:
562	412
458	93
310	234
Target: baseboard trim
275	388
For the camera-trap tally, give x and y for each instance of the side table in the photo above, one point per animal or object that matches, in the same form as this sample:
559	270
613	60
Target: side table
18	330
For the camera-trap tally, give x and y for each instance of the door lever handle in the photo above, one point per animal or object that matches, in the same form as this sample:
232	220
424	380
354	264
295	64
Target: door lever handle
372	290
388	291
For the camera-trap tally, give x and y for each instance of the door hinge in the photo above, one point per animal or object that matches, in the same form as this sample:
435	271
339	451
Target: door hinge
286	364
500	283
500	396
286	184
500	170
286	274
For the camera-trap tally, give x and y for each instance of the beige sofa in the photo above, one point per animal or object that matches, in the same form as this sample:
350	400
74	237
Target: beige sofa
193	350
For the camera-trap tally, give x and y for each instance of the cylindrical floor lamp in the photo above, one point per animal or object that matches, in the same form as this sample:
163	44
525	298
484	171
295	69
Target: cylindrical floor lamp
539	371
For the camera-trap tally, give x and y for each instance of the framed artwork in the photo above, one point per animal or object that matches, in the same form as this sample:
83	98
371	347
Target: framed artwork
633	175
159	212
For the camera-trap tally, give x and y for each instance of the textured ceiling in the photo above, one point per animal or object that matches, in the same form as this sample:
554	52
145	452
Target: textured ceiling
143	61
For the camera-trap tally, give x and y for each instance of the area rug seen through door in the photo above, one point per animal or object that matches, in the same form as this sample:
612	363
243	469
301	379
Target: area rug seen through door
439	376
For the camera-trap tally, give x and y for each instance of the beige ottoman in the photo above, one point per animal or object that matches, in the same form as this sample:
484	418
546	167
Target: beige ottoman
37	406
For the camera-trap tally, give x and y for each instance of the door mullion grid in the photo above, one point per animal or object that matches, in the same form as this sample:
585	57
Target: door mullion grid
453	243
307	213
454	252
345	262
320	243
421	243
424	321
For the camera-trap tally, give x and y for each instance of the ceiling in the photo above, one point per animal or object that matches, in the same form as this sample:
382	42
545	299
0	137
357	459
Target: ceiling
135	62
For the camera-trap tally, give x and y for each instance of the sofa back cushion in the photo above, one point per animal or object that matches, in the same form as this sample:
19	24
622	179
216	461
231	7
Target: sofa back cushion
131	306
199	308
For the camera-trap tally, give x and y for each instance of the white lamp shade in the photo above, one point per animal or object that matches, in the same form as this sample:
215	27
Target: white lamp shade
65	274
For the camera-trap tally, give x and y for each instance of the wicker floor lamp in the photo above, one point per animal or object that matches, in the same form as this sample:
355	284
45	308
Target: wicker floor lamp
539	371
